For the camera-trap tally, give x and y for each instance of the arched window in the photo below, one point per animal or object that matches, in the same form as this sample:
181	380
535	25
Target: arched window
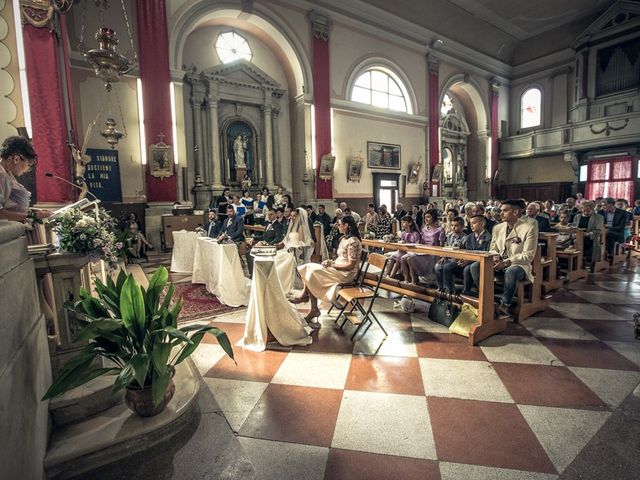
530	107
381	88
231	47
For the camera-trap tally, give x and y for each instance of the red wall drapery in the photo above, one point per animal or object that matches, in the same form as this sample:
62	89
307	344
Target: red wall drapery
153	52
434	125
47	114
612	177
322	108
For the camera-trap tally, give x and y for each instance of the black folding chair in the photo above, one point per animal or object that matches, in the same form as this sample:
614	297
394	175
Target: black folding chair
357	280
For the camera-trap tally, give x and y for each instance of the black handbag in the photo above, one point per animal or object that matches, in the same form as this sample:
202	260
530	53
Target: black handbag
443	310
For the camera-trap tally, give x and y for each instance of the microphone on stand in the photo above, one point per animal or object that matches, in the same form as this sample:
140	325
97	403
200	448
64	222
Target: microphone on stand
51	175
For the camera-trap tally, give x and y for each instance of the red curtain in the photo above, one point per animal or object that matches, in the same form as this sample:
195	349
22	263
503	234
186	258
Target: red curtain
47	114
322	108
610	178
153	52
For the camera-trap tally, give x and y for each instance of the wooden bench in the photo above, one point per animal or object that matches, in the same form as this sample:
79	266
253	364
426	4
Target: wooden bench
575	257
530	297
487	323
601	264
620	253
550	280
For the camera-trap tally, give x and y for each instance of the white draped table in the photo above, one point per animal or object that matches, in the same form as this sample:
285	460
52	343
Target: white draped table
218	266
184	245
269	310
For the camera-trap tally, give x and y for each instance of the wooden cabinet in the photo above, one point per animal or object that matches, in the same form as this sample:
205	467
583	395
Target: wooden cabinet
557	191
173	223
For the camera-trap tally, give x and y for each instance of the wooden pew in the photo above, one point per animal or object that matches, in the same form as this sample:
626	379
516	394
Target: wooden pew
530	298
550	280
575	258
487	323
601	264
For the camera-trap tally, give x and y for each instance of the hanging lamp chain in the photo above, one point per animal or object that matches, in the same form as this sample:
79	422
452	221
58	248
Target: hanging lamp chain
124	125
83	16
132	53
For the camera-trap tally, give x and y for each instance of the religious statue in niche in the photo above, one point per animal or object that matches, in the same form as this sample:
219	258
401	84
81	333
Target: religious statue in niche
415	171
240	147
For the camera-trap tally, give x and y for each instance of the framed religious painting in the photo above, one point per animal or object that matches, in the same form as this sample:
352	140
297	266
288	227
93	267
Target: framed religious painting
383	155
355	169
326	167
161	160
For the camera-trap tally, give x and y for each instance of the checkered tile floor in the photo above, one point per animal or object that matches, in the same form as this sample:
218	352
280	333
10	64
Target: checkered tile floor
422	404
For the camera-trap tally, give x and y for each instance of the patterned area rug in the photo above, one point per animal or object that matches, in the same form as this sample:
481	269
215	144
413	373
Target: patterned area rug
199	303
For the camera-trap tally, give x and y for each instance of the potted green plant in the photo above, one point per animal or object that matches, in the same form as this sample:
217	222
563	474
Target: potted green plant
137	333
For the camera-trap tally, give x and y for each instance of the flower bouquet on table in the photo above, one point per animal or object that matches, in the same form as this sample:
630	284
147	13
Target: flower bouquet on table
224	238
89	233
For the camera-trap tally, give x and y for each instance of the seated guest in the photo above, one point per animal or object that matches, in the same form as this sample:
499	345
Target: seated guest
135	227
238	206
286	200
265	200
550	211
232	226
333	237
298	236
417	215
247	199
579	199
564	240
321	282
514	241
479	209
213	226
636	207
222	202
410	234
452	214
383	226
311	213
400	212
273	235
479	240
594	224
622	204
571	206
286	218
323	218
415	265
370	218
533	214
278	198
445	267
615	220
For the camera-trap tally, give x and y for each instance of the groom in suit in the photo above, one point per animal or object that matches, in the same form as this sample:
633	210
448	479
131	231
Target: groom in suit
514	243
233	226
273	235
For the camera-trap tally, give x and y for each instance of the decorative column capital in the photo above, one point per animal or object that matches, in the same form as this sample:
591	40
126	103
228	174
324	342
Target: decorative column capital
433	64
246	6
266	108
572	159
275	111
212	102
320	25
495	86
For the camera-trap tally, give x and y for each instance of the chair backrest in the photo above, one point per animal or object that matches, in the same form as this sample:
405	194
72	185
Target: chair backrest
379	261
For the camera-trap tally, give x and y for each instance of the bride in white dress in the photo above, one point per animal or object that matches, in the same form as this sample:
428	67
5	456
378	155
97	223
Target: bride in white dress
298	237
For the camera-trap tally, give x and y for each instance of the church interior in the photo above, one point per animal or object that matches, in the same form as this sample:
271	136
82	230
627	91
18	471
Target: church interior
283	239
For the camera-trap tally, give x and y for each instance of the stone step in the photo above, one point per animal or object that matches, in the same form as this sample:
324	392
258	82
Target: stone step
85	401
118	433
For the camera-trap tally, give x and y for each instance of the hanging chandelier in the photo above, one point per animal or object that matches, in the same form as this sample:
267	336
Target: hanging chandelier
109	64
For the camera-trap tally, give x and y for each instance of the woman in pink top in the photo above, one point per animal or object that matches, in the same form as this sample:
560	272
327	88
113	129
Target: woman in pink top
410	234
416	264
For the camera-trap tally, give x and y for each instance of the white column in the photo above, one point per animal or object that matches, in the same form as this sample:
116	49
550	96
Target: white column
268	145
196	104
205	150
276	147
216	164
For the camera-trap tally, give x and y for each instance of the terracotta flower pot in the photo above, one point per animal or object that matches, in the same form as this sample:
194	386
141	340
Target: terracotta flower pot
140	400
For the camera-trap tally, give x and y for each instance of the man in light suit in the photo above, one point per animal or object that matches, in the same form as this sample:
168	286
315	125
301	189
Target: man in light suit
212	227
233	226
514	242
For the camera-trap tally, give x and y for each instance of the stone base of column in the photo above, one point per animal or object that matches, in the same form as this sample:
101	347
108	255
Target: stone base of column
153	221
203	196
